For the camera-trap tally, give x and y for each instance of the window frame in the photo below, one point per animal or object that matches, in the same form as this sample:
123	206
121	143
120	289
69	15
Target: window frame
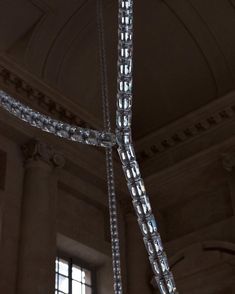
80	263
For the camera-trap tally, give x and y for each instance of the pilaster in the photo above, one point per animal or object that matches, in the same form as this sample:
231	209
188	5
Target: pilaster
38	223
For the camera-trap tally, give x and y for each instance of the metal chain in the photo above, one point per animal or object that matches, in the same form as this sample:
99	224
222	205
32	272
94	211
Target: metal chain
117	279
146	219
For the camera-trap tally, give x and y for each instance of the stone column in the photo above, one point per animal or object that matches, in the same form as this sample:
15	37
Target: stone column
38	226
138	269
229	166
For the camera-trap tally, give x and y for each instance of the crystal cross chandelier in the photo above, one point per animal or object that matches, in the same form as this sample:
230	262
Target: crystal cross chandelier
122	139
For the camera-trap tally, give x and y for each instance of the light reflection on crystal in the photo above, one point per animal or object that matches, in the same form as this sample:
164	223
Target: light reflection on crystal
155	265
53	126
145	205
143	227
123	137
163	262
157	242
170	283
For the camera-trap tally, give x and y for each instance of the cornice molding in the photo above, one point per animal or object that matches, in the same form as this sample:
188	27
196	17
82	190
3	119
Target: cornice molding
192	126
172	136
176	172
35	96
150	149
24	88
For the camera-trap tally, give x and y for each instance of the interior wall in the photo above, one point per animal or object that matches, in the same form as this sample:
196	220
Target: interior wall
11	190
59	220
196	204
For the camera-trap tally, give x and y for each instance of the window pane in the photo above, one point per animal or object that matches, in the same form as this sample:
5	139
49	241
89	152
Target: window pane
87	277
76	288
63	284
77	273
88	290
56	281
71	279
63	267
83	277
57	265
83	289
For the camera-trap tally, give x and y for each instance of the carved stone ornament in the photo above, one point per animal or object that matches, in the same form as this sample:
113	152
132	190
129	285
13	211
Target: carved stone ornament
38	150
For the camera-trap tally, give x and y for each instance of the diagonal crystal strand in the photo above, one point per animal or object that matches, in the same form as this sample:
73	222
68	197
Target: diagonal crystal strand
140	199
141	203
55	127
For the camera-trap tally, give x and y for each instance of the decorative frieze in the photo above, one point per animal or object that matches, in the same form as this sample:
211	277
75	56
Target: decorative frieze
187	128
172	136
38	99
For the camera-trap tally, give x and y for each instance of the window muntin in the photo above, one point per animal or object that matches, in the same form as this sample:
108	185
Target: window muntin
71	278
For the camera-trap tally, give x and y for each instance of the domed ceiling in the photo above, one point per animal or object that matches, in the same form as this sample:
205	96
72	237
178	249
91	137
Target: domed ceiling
184	53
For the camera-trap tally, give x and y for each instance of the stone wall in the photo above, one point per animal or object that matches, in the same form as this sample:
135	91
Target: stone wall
45	210
195	201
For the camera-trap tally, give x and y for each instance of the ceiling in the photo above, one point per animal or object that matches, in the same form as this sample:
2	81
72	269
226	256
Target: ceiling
184	53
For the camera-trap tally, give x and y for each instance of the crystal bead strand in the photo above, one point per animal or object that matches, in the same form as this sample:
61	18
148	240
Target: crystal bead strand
117	278
140	199
114	232
58	128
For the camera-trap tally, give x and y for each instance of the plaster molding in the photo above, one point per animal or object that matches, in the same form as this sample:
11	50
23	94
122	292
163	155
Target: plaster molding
38	99
36	150
175	172
157	145
190	127
153	146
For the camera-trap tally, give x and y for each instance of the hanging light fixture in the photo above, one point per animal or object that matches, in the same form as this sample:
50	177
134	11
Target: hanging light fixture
122	139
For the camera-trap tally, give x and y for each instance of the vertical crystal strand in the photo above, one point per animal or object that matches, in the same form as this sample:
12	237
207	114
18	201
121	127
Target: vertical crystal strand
117	279
113	223
158	259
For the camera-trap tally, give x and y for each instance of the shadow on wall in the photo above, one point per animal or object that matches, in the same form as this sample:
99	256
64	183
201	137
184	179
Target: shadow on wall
205	268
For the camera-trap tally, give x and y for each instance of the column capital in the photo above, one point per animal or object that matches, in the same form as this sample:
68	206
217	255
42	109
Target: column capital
37	150
228	160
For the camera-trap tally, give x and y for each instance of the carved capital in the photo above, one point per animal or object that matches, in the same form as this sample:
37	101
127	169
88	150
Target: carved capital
37	150
228	160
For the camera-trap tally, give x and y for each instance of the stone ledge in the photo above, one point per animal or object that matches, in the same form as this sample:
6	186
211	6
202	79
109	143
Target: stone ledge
190	126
